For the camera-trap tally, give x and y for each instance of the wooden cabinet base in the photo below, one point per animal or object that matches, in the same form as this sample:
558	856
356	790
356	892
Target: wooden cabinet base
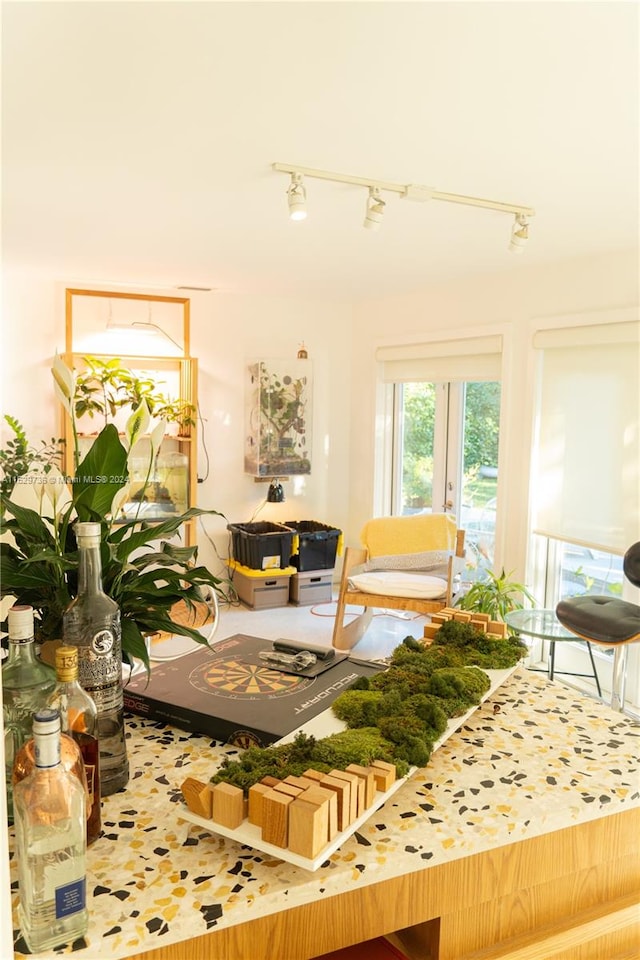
571	891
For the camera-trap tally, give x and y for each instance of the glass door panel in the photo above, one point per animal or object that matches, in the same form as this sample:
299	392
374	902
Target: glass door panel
446	457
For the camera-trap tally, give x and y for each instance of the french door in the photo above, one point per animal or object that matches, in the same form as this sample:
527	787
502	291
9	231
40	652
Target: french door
445	457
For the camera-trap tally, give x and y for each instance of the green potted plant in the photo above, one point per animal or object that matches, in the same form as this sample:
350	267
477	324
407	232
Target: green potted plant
496	595
144	573
18	457
105	386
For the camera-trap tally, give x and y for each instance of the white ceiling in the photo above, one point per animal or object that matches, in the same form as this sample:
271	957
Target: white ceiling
138	138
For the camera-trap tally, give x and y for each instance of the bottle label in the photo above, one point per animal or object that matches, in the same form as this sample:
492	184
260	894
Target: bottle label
90	771
47	749
70	898
102	643
99	669
108	698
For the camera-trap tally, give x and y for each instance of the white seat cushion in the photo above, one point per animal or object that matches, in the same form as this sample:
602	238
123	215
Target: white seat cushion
398	583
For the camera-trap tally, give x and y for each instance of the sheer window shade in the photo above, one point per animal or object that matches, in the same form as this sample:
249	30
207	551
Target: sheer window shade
472	358
586	477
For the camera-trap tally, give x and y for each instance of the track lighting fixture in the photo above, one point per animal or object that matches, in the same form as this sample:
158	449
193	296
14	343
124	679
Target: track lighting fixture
407	191
375	209
519	233
297	196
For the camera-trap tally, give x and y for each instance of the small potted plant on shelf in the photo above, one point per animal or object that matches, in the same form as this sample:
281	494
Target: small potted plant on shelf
496	595
105	386
145	574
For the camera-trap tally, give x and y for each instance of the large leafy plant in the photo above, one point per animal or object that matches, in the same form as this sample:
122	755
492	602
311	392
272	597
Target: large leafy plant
145	574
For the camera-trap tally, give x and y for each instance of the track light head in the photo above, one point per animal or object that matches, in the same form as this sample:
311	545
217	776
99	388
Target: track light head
375	209
519	233
297	197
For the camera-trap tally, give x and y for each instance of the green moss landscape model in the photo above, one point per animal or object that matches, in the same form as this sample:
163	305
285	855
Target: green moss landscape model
395	716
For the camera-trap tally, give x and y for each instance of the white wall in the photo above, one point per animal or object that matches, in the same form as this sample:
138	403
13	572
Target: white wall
226	333
507	302
228	330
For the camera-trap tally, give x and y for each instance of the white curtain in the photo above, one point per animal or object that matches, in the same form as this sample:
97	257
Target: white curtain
586	478
471	358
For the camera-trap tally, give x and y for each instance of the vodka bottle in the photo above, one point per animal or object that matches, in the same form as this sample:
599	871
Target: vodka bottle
50	818
26	684
79	719
91	623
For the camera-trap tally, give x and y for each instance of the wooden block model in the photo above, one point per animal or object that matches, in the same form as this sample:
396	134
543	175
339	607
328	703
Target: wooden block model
288	788
270	781
313	775
480	625
228	805
366	775
302	782
481	616
384	774
497	628
322	794
275	817
440	617
342	790
308	823
256	793
430	629
462	616
357	792
197	796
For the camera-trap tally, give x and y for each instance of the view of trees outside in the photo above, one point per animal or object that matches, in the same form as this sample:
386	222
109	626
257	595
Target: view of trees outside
419	407
480	458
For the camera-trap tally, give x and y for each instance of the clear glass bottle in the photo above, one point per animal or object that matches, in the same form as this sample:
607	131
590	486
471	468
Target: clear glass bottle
26	684
51	844
91	623
70	755
79	719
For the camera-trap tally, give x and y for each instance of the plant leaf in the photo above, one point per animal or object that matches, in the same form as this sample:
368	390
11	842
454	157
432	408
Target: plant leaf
64	382
100	475
132	535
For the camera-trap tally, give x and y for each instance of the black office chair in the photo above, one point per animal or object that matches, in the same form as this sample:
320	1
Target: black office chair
609	622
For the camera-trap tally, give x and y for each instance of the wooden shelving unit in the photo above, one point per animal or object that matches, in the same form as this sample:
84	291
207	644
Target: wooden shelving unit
175	374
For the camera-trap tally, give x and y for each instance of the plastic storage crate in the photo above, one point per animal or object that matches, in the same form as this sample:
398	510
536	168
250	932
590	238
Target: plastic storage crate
263	545
311	586
317	545
260	589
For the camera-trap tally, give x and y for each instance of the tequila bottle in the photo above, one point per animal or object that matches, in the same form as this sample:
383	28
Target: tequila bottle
50	815
91	623
26	684
79	719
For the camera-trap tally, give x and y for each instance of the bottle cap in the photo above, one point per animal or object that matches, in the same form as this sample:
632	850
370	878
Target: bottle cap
21	622
87	529
67	663
46	721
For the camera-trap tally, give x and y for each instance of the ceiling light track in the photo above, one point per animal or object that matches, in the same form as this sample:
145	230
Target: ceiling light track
409	191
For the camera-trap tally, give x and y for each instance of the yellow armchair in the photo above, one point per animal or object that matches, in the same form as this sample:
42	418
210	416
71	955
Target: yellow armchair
426	547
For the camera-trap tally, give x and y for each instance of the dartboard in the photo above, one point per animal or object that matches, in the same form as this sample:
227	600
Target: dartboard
242	680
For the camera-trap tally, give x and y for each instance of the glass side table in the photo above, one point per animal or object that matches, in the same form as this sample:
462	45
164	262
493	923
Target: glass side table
545	625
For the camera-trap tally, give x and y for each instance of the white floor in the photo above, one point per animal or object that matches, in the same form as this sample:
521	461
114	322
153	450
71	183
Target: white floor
311	623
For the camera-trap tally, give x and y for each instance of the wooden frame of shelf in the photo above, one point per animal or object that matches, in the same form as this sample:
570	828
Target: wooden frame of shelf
184	365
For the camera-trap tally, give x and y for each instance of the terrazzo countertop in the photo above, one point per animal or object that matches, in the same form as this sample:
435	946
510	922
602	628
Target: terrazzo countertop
534	758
